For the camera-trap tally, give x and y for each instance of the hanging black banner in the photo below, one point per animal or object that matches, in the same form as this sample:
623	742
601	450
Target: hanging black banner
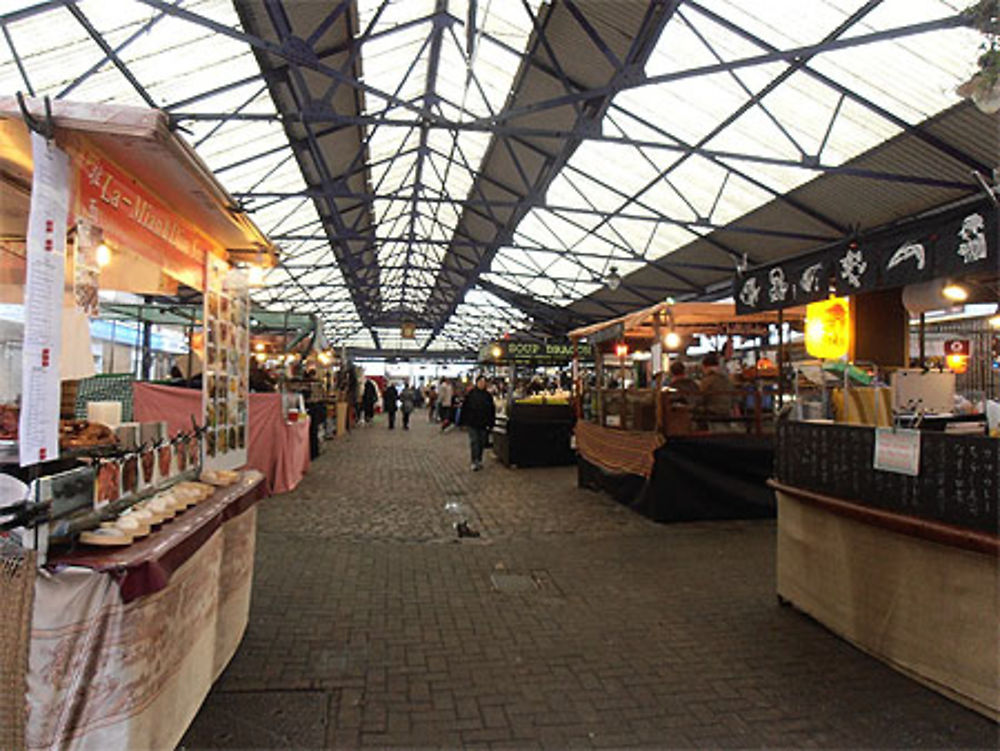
952	244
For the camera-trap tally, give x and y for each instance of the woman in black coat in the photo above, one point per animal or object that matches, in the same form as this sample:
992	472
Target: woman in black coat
368	399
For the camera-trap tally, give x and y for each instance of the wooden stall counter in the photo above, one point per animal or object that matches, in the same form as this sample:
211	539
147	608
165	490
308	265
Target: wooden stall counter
125	645
904	567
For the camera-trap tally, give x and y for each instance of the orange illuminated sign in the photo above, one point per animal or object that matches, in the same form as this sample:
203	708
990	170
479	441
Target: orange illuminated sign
828	328
132	216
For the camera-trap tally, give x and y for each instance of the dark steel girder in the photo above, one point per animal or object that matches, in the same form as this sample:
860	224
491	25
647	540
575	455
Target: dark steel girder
455	282
363	284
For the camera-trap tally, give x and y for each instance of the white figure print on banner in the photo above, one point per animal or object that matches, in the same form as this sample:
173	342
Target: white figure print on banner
907	251
750	292
972	247
852	267
779	287
809	280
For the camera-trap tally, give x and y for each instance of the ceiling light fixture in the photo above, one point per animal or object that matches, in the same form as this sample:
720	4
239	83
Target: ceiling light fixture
614	281
955	293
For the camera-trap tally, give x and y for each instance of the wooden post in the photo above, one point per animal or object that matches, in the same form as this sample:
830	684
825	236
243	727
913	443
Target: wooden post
657	369
599	369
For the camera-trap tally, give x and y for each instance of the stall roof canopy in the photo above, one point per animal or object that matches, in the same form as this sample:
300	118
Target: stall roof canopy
141	141
476	168
695	317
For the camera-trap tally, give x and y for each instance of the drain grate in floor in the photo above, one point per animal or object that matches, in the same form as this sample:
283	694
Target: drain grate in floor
525	582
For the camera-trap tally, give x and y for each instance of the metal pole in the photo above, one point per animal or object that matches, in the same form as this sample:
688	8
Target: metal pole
923	356
147	355
781	358
114	329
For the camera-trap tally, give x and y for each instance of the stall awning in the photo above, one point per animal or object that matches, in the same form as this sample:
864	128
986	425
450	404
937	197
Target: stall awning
704	317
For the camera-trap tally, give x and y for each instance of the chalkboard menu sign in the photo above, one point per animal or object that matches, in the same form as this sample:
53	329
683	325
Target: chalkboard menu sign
959	480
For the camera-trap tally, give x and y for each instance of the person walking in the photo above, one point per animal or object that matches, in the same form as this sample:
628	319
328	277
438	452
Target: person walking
407	400
444	400
478	415
390	397
368	398
432	398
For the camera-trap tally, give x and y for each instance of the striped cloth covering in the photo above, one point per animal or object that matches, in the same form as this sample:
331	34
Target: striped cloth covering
622	451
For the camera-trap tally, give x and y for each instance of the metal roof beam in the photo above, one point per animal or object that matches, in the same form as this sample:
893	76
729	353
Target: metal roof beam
753	101
109	53
776	56
928	138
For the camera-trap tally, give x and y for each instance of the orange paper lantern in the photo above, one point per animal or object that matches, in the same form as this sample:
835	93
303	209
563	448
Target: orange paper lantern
828	328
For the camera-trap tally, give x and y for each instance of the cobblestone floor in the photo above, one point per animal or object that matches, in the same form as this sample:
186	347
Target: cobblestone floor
570	623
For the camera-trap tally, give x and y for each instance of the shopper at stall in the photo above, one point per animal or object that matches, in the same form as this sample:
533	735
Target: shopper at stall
478	415
685	389
368	399
390	403
716	395
407	401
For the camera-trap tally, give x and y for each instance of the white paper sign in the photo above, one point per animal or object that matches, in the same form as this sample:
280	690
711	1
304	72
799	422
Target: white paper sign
657	357
38	430
897	451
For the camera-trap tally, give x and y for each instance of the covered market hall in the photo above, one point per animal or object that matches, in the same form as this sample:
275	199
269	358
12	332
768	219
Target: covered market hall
525	374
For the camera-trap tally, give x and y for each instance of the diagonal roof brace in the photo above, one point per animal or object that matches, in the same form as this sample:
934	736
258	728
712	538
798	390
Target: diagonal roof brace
458	273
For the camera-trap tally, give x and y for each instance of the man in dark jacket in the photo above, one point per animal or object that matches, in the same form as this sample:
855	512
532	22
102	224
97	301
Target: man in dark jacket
478	415
389	398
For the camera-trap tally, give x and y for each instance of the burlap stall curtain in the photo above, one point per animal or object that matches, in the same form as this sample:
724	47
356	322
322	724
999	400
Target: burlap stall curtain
17	587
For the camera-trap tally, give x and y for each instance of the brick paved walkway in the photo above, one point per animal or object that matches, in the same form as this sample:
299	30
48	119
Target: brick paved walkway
571	623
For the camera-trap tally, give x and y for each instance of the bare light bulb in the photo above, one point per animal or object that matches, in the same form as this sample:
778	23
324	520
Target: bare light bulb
672	340
955	293
103	255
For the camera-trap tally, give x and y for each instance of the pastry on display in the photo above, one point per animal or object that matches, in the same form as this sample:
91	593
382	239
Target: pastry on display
106	536
219	477
200	489
82	434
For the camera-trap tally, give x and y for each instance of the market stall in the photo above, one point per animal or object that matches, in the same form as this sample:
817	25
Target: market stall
534	424
117	649
888	511
277	446
628	409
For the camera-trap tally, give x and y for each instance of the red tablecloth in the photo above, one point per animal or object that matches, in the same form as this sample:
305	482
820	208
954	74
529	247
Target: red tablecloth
277	448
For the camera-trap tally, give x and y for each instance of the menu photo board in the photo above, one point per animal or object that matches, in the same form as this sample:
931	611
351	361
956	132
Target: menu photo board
226	379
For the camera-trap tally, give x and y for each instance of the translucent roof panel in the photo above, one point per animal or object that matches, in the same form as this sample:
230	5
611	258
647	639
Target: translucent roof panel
739	104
